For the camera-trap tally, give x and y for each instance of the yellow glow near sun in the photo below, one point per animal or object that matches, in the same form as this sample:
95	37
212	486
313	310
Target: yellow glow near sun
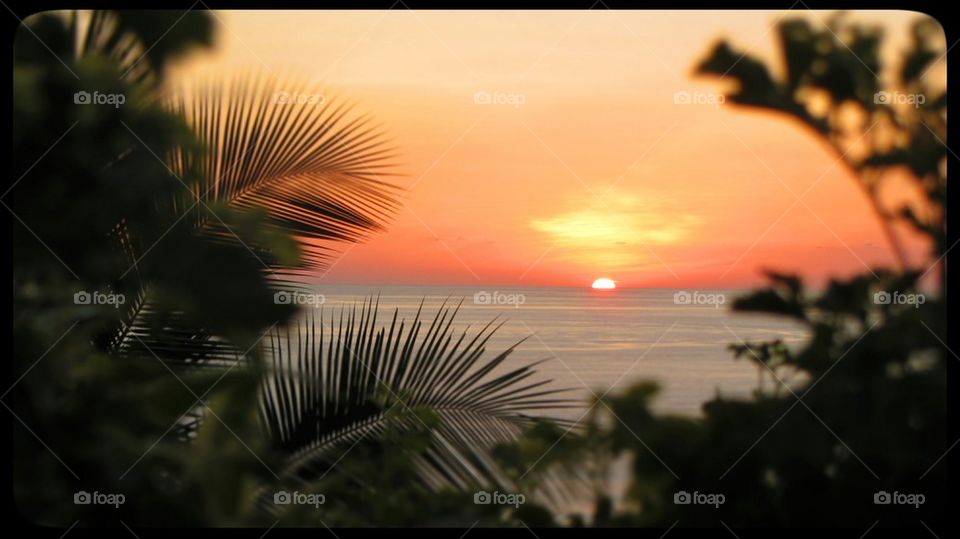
618	236
588	227
604	284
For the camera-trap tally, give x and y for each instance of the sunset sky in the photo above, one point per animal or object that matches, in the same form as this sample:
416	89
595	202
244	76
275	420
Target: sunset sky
583	165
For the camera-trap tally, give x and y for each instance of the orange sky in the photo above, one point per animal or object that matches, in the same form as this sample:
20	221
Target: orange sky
587	167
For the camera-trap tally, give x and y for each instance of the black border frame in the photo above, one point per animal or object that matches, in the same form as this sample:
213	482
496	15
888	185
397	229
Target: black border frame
13	12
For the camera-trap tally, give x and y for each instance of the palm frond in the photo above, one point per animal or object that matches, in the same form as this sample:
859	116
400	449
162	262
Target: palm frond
333	382
139	42
319	169
316	168
101	31
142	330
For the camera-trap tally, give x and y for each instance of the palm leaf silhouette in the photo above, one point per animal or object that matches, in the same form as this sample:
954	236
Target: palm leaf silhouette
319	169
316	168
330	386
135	39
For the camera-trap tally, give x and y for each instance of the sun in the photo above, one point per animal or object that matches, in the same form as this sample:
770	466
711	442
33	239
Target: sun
604	284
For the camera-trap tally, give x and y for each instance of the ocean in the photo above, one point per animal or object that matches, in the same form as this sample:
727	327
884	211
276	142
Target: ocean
602	341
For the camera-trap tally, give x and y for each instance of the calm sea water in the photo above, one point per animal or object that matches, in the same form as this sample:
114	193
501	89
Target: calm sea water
599	341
